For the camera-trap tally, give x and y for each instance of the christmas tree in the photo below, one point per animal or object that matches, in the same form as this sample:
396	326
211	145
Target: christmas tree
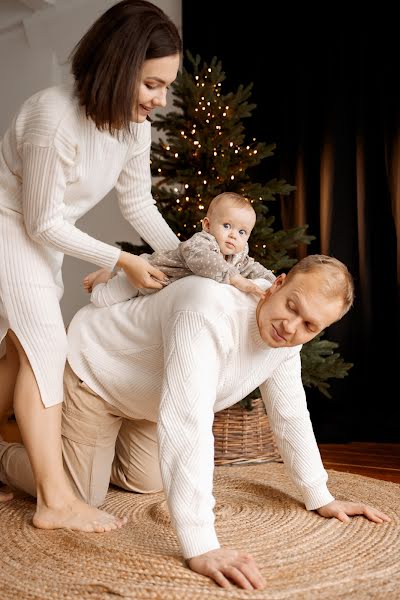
203	151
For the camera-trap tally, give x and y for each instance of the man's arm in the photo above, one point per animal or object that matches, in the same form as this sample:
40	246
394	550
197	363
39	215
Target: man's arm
186	444
186	449
285	402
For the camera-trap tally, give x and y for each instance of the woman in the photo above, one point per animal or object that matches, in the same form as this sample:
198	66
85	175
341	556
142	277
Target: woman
65	150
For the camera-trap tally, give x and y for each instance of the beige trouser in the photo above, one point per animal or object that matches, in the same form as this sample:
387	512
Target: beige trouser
100	445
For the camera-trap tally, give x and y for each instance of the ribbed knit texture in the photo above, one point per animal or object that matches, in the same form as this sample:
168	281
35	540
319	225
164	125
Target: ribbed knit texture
54	167
177	356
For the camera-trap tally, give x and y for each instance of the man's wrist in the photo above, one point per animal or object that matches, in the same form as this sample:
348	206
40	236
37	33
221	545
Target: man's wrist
198	540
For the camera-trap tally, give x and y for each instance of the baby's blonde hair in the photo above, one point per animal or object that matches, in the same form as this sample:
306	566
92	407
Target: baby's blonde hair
231	197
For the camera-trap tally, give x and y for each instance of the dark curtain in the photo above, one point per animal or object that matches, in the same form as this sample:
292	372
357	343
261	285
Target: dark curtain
327	92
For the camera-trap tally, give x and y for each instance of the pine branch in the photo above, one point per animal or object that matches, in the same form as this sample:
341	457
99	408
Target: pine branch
320	363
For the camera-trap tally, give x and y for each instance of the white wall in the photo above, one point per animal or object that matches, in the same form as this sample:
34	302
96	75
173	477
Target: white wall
34	46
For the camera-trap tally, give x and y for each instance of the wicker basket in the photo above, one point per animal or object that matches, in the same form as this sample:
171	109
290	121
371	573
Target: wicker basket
244	436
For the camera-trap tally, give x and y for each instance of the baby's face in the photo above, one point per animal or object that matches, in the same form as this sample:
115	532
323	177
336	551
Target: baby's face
231	226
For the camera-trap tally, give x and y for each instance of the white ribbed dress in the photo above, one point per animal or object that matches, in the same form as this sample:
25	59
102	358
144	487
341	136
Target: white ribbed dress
54	167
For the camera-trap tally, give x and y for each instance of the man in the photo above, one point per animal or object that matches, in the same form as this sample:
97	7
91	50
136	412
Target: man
146	376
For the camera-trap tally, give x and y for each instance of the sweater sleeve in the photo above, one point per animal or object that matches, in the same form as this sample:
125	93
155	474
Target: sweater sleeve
116	289
186	443
203	258
136	202
251	269
43	189
285	401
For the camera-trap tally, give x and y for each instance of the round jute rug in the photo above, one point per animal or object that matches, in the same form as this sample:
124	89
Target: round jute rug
301	555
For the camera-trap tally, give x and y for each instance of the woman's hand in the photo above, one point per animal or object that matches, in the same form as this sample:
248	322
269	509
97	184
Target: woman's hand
140	273
225	566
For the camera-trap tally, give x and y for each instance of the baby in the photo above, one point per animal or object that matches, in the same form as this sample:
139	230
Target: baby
219	251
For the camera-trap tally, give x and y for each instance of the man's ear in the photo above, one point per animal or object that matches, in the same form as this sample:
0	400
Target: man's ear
205	224
278	282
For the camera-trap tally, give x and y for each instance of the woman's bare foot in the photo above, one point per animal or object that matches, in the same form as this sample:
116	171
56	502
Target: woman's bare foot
99	276
77	516
5	493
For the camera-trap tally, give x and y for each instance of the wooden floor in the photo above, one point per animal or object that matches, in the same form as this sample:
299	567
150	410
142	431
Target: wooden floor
381	461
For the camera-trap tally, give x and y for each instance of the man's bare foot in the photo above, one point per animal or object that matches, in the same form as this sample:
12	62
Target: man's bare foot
77	516
100	276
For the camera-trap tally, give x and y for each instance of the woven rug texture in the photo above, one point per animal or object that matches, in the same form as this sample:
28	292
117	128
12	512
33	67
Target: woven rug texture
301	555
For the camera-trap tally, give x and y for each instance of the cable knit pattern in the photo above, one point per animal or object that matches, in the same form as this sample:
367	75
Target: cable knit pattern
191	345
55	165
176	358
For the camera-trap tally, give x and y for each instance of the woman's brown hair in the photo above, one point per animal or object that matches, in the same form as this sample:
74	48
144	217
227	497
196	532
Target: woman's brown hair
108	60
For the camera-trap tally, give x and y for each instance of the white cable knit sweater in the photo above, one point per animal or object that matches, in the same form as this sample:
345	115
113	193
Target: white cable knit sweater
175	358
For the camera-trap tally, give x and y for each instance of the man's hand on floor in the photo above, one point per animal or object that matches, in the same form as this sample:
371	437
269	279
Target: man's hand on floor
342	511
226	566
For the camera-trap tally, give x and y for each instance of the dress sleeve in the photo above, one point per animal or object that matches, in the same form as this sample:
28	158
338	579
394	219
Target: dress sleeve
43	189
136	202
116	289
186	443
285	402
203	257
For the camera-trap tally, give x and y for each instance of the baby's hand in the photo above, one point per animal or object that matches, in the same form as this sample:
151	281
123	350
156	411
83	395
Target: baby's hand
100	276
246	285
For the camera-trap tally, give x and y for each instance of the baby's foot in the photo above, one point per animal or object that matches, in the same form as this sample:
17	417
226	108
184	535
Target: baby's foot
77	516
89	280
